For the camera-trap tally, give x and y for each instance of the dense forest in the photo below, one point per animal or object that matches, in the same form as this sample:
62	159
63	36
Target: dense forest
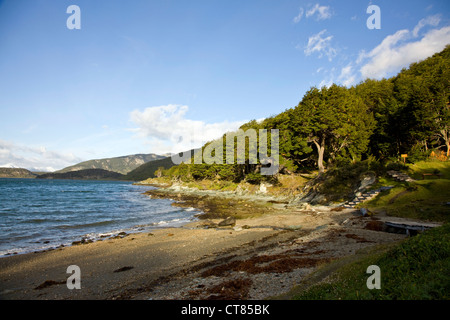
408	114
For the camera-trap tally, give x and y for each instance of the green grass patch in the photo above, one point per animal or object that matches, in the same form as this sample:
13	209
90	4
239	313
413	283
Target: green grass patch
422	199
417	169
416	269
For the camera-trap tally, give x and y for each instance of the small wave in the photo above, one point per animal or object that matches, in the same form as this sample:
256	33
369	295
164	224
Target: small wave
190	209
85	225
41	220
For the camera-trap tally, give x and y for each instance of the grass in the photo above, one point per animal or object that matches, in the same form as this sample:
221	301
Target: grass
417	169
416	269
422	199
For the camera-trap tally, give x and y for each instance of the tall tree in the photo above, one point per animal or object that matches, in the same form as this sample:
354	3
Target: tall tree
335	121
379	98
423	92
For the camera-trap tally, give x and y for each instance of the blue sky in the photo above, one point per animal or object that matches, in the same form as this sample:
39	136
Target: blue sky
164	76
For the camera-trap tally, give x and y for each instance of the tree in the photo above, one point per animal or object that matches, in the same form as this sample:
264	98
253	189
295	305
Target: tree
379	98
423	93
333	119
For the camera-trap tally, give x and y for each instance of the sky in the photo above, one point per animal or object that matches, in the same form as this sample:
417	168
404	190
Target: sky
164	76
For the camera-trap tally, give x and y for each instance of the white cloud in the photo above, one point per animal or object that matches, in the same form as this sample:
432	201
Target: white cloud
167	129
319	43
326	83
395	52
347	76
34	158
321	12
431	20
299	16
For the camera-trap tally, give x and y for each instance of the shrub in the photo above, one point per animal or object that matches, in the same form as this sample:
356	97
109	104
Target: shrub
254	178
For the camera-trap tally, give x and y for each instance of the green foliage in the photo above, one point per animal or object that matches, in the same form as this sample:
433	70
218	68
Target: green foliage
147	170
254	178
396	166
335	120
417	153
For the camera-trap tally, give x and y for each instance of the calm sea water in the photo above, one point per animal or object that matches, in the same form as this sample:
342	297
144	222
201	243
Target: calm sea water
37	214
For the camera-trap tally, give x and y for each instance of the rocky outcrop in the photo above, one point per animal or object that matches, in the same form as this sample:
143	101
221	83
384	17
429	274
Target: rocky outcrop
315	193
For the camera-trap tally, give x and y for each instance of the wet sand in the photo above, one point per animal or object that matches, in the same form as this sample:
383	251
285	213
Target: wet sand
257	258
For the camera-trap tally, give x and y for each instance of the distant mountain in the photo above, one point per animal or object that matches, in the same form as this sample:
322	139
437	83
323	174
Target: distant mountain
148	169
121	165
87	174
16	173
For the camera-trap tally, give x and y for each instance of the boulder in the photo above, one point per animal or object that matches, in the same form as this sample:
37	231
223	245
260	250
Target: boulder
367	180
228	222
364	212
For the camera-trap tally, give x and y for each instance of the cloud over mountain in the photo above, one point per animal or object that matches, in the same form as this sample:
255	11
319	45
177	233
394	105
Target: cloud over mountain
167	129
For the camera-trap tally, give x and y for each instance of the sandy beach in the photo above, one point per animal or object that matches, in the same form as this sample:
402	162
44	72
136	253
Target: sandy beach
257	258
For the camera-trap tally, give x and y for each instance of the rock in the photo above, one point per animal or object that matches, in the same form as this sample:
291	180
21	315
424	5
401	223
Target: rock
366	181
319	199
294	227
364	212
48	283
228	222
123	269
208	224
305	206
263	187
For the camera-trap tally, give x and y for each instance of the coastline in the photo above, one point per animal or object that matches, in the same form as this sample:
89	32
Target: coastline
261	256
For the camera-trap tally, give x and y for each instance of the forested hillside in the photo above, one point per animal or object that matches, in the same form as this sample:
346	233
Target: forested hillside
147	170
86	174
331	126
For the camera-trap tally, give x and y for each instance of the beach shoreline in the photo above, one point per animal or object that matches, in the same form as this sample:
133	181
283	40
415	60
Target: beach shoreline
256	258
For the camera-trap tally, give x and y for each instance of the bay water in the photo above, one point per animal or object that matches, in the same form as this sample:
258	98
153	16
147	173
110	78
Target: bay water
37	214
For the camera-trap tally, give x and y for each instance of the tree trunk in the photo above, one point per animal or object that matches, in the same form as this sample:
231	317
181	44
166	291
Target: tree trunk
445	134
320	152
